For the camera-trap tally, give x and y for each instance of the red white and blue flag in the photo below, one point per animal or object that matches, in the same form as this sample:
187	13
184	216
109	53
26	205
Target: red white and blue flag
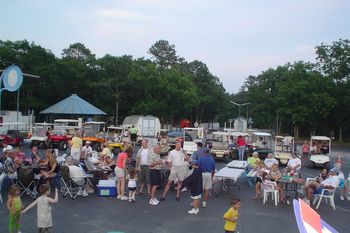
308	220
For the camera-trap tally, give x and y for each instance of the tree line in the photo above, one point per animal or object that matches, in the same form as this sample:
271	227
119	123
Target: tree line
300	98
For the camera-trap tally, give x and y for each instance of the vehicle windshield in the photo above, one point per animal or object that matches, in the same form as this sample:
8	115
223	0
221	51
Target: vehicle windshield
320	147
284	144
91	130
39	131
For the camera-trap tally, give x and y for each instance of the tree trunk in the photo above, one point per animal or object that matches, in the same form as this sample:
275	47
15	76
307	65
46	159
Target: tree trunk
296	133
277	123
340	135
116	111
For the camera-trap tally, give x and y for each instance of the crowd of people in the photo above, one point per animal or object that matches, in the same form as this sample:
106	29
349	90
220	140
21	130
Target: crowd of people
143	175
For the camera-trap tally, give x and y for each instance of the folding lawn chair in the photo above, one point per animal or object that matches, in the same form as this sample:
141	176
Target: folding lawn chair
68	185
25	179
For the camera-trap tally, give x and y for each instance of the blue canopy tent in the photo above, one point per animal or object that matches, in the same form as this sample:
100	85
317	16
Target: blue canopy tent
73	105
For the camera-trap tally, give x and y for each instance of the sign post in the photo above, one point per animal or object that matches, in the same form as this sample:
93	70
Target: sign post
11	78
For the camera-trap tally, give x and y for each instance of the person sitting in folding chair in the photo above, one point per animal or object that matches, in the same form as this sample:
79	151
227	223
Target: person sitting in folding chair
79	178
332	182
10	167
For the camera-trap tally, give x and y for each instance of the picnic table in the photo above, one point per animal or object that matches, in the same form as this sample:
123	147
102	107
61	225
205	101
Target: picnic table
290	185
237	164
228	177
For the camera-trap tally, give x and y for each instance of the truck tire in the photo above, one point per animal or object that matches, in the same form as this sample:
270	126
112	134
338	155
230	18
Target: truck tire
63	145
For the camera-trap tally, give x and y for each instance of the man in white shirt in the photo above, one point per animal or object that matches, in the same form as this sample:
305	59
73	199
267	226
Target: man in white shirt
142	163
176	161
331	182
294	164
77	175
269	161
87	149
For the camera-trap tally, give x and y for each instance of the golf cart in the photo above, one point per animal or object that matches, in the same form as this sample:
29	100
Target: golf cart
113	139
320	150
218	144
62	133
10	134
283	149
189	143
233	147
39	136
261	142
92	132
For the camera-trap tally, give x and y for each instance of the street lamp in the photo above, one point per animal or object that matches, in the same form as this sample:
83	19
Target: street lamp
239	106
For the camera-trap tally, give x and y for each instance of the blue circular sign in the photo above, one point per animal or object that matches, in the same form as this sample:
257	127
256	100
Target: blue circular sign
12	78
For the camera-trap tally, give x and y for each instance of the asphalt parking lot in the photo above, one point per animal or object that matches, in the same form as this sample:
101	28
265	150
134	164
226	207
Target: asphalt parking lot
95	214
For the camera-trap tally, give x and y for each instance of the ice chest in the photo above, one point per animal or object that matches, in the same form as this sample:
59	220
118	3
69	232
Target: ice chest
106	188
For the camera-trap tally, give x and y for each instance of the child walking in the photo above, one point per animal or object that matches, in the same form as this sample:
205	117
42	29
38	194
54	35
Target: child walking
132	185
231	216
14	205
44	216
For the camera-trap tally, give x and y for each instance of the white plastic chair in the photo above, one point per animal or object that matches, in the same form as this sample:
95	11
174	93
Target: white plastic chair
2	178
269	188
327	194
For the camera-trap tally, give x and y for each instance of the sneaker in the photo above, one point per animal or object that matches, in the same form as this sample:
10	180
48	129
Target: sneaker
177	198
162	199
118	197
342	198
193	211
155	200
133	199
204	204
184	189
85	194
129	200
152	202
124	198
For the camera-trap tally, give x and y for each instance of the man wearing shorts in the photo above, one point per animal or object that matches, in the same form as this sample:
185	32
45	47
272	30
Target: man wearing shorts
155	167
176	161
142	163
207	166
331	182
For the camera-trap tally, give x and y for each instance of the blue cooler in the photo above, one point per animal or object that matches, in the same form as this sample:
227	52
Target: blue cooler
106	188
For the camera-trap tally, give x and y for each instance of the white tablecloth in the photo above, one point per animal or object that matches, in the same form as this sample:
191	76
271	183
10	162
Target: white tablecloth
237	164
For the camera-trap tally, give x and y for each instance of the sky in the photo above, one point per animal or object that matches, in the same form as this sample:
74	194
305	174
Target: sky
235	38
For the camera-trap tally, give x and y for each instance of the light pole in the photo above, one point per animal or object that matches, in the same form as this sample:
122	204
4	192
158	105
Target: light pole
239	106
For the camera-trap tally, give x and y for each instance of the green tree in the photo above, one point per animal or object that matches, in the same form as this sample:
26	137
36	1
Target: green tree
164	54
